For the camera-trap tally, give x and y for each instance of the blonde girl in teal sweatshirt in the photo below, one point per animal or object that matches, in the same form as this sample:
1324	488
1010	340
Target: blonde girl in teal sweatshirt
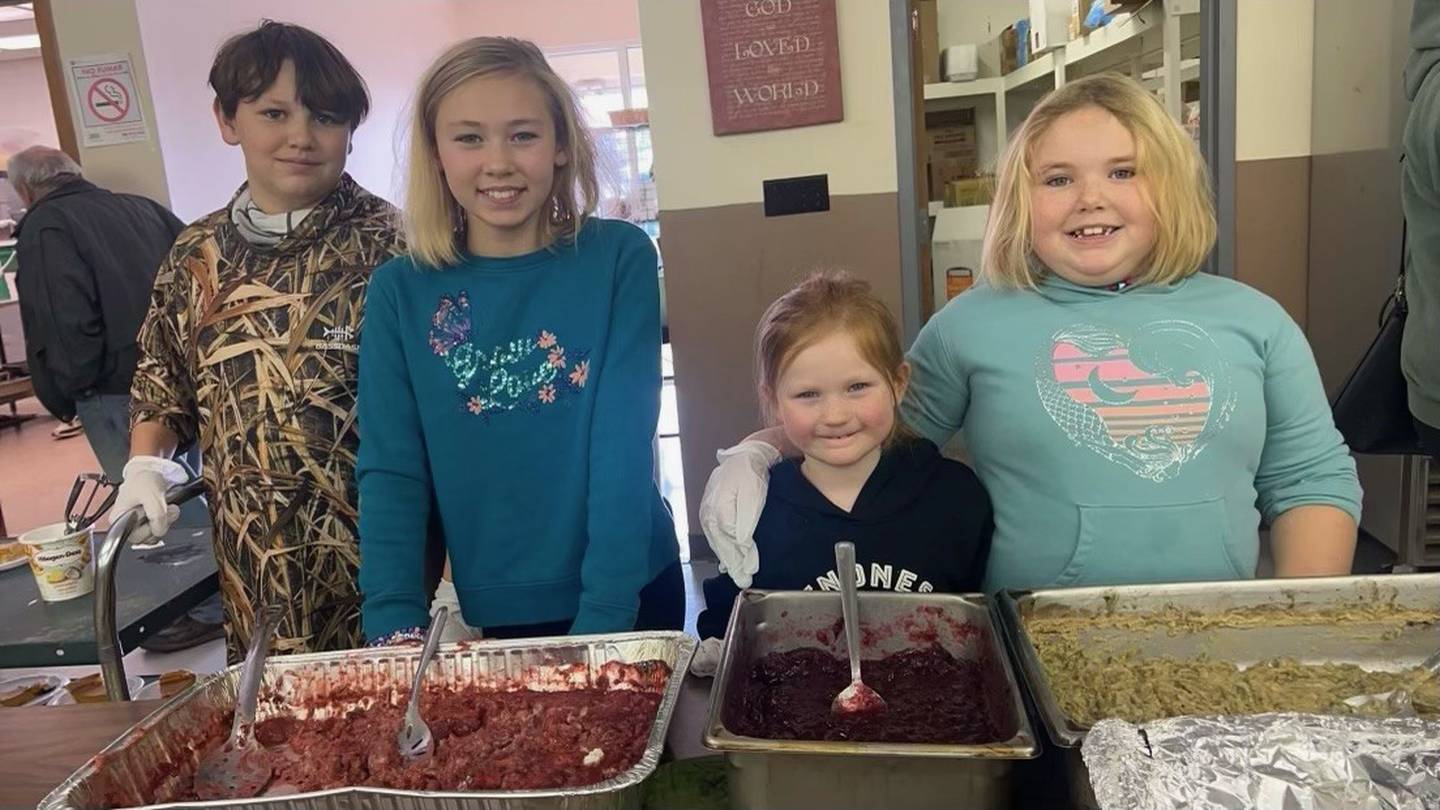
1133	419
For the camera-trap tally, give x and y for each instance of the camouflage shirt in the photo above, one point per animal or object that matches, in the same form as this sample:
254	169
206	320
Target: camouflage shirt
253	353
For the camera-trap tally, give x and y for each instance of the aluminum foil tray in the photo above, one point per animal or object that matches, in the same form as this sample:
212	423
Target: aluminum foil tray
559	663
1375	646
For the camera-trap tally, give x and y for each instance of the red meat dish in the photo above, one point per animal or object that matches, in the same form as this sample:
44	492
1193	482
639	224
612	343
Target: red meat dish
930	697
485	739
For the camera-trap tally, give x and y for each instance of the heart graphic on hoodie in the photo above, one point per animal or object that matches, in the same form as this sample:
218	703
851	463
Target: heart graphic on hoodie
1149	400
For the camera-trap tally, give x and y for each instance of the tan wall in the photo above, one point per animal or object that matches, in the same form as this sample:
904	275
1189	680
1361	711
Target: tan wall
1358	113
1274	67
724	260
93	27
1272	229
1273	89
695	169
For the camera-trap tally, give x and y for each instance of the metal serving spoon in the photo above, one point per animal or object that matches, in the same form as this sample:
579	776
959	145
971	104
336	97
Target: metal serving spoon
414	738
240	768
857	697
1397	702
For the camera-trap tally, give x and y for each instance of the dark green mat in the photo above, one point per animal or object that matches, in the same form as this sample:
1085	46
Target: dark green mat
688	784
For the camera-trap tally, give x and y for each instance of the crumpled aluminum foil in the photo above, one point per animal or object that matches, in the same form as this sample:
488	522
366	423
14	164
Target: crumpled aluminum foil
1265	762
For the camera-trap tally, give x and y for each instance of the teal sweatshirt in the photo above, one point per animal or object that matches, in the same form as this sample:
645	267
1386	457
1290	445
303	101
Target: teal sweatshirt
1133	436
1420	197
521	395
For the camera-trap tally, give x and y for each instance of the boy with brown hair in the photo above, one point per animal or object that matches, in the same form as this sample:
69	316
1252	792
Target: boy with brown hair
250	346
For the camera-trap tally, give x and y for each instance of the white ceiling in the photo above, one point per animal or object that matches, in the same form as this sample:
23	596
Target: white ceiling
17	12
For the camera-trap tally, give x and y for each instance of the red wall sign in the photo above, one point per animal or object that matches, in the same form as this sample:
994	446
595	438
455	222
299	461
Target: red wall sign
773	64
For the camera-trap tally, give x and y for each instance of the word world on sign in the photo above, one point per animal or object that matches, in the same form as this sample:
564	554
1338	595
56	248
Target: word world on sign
775	91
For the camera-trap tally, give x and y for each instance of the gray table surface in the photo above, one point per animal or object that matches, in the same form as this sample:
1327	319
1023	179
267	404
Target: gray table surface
153	587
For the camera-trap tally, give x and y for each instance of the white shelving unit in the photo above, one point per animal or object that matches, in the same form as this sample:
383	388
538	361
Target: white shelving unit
1154	28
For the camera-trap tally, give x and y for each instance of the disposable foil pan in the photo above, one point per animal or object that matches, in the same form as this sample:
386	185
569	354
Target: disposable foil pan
546	664
776	774
1376	646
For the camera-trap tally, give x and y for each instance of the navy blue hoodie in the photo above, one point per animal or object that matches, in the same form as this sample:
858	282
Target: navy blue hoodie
921	523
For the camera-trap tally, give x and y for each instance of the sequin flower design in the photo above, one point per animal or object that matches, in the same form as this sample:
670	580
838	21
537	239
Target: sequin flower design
580	374
450	325
450	337
524	374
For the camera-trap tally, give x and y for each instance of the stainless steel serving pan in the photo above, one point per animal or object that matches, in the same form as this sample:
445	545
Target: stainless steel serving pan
777	774
1375	645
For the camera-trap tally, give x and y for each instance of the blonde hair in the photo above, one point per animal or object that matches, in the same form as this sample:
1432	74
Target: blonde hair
434	222
827	301
1167	162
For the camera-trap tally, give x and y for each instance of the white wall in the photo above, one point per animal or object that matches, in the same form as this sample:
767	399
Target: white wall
964	22
1274	74
91	27
389	42
696	169
26	118
1359	100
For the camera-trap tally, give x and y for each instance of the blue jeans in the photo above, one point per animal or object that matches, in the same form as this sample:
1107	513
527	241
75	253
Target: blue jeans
106	418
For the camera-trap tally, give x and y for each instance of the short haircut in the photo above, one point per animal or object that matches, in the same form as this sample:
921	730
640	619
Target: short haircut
824	303
1168	163
434	222
247	64
41	170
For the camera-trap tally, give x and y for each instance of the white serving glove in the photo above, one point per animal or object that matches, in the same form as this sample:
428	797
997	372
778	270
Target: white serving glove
730	508
146	480
455	627
707	658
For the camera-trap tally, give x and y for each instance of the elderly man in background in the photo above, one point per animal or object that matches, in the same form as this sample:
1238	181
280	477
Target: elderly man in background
87	260
87	264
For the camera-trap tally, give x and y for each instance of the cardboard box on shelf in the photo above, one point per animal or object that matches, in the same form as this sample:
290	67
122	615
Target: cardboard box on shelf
953	148
970	191
1049	21
1009	50
930	39
947	168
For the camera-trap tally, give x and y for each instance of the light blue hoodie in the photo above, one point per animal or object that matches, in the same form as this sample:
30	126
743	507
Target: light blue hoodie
1133	436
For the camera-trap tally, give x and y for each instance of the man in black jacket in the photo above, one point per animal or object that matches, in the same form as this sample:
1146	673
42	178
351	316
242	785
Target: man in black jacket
87	261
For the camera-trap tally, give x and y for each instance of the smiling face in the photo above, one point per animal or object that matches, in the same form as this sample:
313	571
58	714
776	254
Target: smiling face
294	156
1089	214
497	146
835	406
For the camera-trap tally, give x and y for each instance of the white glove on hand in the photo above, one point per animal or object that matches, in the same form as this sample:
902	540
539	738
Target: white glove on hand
455	627
146	479
707	658
730	508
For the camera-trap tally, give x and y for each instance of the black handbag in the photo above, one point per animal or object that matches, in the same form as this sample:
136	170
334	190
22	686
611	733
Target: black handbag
1372	409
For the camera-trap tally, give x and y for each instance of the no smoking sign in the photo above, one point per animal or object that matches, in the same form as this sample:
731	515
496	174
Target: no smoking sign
104	89
108	100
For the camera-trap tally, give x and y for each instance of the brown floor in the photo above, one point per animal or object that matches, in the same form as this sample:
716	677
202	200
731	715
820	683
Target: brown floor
36	471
